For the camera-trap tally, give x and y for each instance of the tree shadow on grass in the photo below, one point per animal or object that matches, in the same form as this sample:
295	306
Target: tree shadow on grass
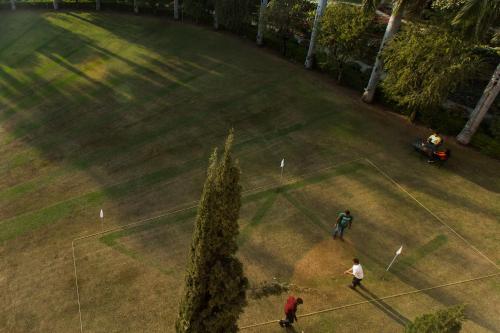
82	123
370	238
441	295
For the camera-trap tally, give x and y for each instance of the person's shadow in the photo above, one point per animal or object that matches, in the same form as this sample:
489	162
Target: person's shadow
383	306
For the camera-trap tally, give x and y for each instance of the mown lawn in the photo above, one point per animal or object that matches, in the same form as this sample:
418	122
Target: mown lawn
120	112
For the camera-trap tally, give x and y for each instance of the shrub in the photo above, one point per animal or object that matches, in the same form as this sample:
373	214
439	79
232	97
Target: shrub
495	127
444	321
289	17
445	121
266	288
198	10
486	144
234	15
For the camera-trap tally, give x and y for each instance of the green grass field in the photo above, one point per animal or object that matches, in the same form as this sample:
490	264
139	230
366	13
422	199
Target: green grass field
120	112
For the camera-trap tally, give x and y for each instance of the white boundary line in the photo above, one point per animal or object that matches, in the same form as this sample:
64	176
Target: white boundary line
376	300
141	222
289	181
406	293
192	204
434	215
122	182
107	186
76	284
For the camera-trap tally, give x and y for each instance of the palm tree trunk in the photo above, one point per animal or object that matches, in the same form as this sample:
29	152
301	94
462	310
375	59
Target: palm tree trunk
340	70
312	43
176	9
262	24
136	7
216	19
56	4
482	107
97	4
391	29
13	4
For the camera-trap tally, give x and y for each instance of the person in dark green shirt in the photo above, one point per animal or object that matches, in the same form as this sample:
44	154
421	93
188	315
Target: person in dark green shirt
344	220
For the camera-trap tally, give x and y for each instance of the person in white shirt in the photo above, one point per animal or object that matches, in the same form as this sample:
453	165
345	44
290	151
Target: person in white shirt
435	139
433	142
357	274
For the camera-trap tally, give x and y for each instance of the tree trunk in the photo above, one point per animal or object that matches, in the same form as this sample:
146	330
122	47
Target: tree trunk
13	4
97	4
136	7
176	9
56	4
262	24
340	68
312	43
412	116
482	107
216	19
391	29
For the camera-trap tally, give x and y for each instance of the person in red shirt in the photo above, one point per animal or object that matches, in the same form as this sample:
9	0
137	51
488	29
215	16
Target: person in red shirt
290	311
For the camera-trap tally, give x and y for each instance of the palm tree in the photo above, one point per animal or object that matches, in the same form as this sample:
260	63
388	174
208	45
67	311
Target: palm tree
477	17
176	9
317	21
56	4
13	4
97	4
262	24
216	18
398	7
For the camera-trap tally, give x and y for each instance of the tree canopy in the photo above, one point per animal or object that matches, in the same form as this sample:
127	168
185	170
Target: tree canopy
341	33
215	290
287	17
477	17
423	66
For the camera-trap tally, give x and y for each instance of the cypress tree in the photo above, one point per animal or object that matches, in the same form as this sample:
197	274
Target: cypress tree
215	290
443	321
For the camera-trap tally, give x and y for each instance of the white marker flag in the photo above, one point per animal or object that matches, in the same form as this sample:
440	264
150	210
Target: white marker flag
398	252
282	163
101	214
